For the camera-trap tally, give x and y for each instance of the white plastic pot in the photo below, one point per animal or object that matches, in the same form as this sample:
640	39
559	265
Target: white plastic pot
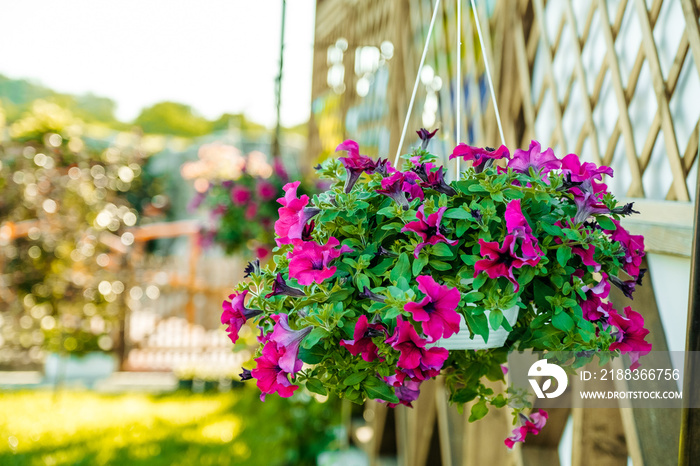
463	339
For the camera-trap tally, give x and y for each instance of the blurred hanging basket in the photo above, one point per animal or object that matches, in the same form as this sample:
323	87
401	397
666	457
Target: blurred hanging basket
377	277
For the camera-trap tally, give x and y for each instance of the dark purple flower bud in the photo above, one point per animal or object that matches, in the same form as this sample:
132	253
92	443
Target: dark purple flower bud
253	268
393	188
245	375
383	167
477	215
280	287
308	229
228	184
627	209
425	137
382	251
568	184
434	180
368	294
626	286
318	167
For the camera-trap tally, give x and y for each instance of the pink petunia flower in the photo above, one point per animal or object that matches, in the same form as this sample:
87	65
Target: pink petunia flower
593	307
532	425
412	186
406	390
293	214
251	211
630	334
362	339
266	190
309	261
269	374
500	261
437	311
572	165
235	314
541	162
517	225
240	195
285	337
479	156
415	358
394	187
428	229
632	245
355	164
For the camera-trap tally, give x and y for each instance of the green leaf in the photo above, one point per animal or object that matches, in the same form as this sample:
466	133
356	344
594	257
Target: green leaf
563	255
313	337
441	249
313	355
418	264
563	321
362	281
499	401
478	324
378	390
479	410
464	395
479	281
439	265
457	212
605	223
401	269
495	318
387	211
355	378
316	386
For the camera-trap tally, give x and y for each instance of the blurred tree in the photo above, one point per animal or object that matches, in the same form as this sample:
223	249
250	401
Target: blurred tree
173	118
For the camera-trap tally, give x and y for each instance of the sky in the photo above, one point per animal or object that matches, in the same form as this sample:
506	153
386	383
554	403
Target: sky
215	55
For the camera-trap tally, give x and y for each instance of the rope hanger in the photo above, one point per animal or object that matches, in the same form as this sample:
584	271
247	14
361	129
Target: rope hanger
458	94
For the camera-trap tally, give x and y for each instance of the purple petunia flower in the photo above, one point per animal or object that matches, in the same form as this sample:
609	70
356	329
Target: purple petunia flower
433	179
428	229
572	165
541	162
406	390
362	339
425	137
517	225
630	335
355	164
532	425
270	375
479	156
437	311
393	187
240	195
500	261
309	261
280	287
293	214
633	247
235	314
415	357
289	339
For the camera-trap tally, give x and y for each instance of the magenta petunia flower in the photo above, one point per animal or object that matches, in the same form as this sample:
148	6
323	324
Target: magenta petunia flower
588	204
633	247
586	256
415	358
479	156
251	211
630	334
269	374
240	195
593	307
293	214
437	311
235	314
309	261
406	390
428	229
433	179
517	225
362	342
412	186
289	339
394	187
266	190
541	162
572	165
355	164
500	261
532	425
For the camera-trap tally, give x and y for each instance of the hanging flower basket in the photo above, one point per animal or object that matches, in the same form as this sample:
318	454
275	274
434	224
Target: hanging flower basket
375	278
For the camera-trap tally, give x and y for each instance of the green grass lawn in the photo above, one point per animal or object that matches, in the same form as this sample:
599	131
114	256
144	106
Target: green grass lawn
86	428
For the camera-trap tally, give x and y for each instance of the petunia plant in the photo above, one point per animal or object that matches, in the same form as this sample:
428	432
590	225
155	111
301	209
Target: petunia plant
372	277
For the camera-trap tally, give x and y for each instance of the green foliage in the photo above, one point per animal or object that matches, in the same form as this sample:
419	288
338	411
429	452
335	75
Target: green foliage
172	118
82	428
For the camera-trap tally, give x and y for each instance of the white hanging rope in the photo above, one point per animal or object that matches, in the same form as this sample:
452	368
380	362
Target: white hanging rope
458	90
488	73
415	86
